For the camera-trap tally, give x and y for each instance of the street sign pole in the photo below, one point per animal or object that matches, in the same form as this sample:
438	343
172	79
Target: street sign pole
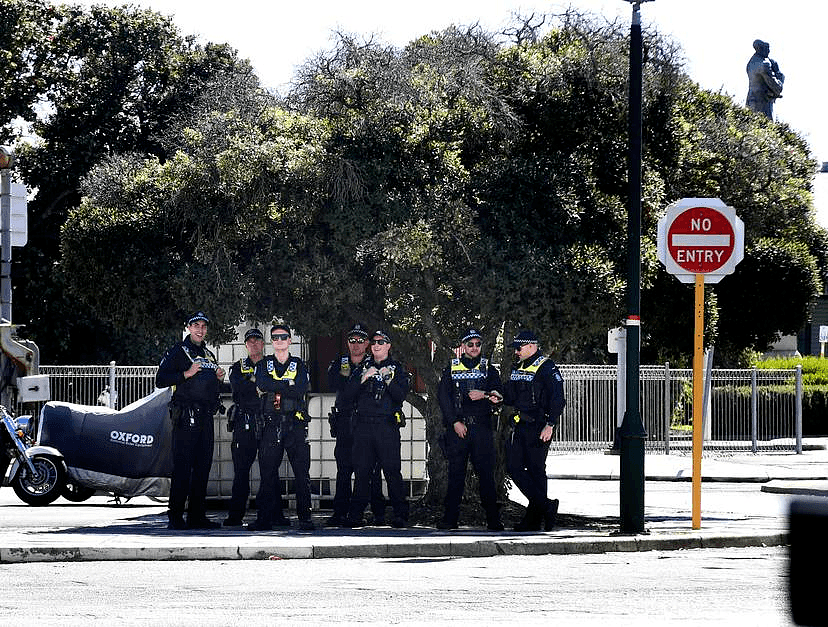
698	391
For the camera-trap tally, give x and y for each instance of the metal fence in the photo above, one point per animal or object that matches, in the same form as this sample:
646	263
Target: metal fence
91	385
748	410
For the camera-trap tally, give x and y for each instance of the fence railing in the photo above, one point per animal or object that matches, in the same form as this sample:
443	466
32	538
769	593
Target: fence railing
749	409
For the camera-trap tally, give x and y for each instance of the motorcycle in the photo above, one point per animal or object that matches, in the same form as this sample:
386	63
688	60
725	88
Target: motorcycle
38	473
124	452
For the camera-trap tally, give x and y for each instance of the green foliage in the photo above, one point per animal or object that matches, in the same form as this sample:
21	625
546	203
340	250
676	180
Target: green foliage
814	392
780	267
191	222
815	410
92	84
814	369
25	30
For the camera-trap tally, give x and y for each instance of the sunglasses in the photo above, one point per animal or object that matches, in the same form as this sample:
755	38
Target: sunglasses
279	336
474	344
356	340
380	342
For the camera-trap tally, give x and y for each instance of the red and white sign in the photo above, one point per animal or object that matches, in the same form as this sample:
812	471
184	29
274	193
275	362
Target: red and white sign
700	236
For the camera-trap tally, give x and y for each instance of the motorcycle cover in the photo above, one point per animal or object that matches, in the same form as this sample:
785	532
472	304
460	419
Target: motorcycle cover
127	452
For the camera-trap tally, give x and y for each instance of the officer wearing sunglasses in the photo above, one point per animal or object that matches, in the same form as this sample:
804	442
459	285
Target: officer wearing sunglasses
469	390
377	390
283	382
340	420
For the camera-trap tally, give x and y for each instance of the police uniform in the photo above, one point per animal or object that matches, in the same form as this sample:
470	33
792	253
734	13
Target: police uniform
378	406
192	407
245	421
535	390
462	375
283	387
341	422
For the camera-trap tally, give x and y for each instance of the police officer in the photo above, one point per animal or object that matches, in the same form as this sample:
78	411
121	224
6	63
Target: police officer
377	390
535	390
340	422
468	390
192	368
282	380
245	422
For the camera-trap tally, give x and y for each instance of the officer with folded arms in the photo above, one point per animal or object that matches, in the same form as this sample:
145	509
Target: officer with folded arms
535	390
192	368
377	390
283	381
245	421
468	391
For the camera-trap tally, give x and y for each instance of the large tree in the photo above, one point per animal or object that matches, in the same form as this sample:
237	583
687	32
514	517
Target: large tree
460	180
88	84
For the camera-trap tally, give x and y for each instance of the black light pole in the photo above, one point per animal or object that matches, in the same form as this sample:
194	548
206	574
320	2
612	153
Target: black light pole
632	434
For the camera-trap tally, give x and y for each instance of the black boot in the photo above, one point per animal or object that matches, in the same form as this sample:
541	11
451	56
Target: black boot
551	515
493	519
531	520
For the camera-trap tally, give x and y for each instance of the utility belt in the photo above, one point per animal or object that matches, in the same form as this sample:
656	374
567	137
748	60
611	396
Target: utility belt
521	417
480	421
246	420
190	416
371	420
275	402
287	425
284	418
397	419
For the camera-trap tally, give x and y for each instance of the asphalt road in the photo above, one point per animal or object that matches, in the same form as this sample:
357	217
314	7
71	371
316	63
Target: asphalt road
696	587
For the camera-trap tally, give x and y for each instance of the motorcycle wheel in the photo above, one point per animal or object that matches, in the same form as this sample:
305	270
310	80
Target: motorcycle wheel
76	492
44	487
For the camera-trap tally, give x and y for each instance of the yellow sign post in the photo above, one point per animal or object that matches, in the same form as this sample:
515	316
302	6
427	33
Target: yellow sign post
698	395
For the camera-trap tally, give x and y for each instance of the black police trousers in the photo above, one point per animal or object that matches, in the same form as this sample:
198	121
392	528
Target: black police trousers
526	463
243	451
280	437
343	454
477	446
192	458
377	442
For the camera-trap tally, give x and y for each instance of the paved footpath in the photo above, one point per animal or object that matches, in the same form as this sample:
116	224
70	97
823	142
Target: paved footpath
745	500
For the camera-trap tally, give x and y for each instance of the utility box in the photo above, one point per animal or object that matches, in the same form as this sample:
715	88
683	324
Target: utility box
33	388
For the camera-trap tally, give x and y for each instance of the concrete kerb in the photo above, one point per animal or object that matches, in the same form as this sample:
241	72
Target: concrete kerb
446	548
799	488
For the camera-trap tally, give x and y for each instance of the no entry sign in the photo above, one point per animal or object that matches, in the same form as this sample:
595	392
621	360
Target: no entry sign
700	236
